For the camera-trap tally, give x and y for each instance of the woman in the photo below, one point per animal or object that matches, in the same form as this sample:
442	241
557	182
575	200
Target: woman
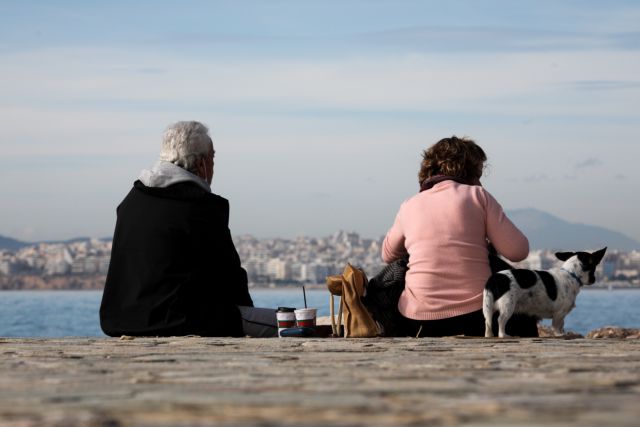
444	231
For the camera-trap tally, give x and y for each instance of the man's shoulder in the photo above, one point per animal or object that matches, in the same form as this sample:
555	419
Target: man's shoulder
179	197
218	199
181	191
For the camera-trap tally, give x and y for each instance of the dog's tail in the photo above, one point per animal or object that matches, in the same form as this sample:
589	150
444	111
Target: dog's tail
495	262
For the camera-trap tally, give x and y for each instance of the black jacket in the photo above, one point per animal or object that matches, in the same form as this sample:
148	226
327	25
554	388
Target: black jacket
174	269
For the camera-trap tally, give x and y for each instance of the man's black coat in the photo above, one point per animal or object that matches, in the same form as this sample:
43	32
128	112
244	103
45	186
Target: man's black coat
174	269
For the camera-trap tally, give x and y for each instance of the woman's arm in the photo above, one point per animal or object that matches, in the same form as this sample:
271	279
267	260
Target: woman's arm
393	245
505	236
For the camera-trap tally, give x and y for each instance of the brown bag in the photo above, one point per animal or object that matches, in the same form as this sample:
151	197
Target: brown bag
350	287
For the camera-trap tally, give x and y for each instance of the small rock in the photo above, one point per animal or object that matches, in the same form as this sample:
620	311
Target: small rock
127	338
547	332
615	332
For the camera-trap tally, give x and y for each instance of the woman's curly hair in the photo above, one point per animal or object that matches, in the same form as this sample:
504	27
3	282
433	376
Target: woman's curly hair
461	158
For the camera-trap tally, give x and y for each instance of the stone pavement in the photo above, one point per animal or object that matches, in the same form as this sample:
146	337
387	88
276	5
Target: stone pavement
195	381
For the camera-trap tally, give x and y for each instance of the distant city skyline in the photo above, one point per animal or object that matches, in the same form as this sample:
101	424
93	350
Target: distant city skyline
318	110
544	231
267	261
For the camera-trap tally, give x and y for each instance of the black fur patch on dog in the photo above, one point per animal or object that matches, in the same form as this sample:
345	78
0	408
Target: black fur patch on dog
588	265
549	284
498	264
525	278
498	285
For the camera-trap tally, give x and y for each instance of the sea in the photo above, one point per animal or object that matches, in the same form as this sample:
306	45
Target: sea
51	314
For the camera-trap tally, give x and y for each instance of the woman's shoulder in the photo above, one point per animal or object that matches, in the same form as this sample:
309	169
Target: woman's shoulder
478	191
477	194
411	200
448	189
462	189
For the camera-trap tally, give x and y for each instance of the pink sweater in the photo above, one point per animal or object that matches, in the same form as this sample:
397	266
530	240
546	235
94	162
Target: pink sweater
444	231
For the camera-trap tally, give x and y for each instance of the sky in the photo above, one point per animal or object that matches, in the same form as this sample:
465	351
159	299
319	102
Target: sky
319	110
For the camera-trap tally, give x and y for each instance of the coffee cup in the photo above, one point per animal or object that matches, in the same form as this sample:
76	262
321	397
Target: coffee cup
306	317
286	318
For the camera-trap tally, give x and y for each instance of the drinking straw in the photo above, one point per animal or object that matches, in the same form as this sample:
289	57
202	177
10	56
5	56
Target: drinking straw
304	294
332	311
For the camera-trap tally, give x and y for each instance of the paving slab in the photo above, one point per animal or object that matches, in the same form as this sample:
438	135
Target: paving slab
193	381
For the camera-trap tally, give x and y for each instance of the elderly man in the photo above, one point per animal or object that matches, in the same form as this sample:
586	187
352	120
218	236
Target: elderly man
174	269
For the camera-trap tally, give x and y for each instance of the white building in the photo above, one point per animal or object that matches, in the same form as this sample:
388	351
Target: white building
279	269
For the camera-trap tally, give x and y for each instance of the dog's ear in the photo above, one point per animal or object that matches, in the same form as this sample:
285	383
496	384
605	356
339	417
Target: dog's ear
563	256
597	255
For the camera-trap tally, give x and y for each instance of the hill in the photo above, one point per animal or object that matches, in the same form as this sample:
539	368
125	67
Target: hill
12	244
546	231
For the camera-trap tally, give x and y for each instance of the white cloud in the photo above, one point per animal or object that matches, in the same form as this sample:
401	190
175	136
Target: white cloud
523	82
591	162
51	131
63	102
503	38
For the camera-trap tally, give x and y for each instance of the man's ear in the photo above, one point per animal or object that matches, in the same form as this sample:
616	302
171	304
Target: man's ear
563	256
202	169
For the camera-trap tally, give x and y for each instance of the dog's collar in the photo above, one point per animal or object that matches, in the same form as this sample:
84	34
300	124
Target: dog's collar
574	275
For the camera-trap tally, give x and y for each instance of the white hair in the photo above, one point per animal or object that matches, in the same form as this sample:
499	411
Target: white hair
184	143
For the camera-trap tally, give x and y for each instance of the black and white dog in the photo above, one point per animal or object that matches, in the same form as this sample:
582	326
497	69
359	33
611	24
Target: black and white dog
543	294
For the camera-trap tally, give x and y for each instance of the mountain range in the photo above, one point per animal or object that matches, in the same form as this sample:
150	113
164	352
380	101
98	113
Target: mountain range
545	231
